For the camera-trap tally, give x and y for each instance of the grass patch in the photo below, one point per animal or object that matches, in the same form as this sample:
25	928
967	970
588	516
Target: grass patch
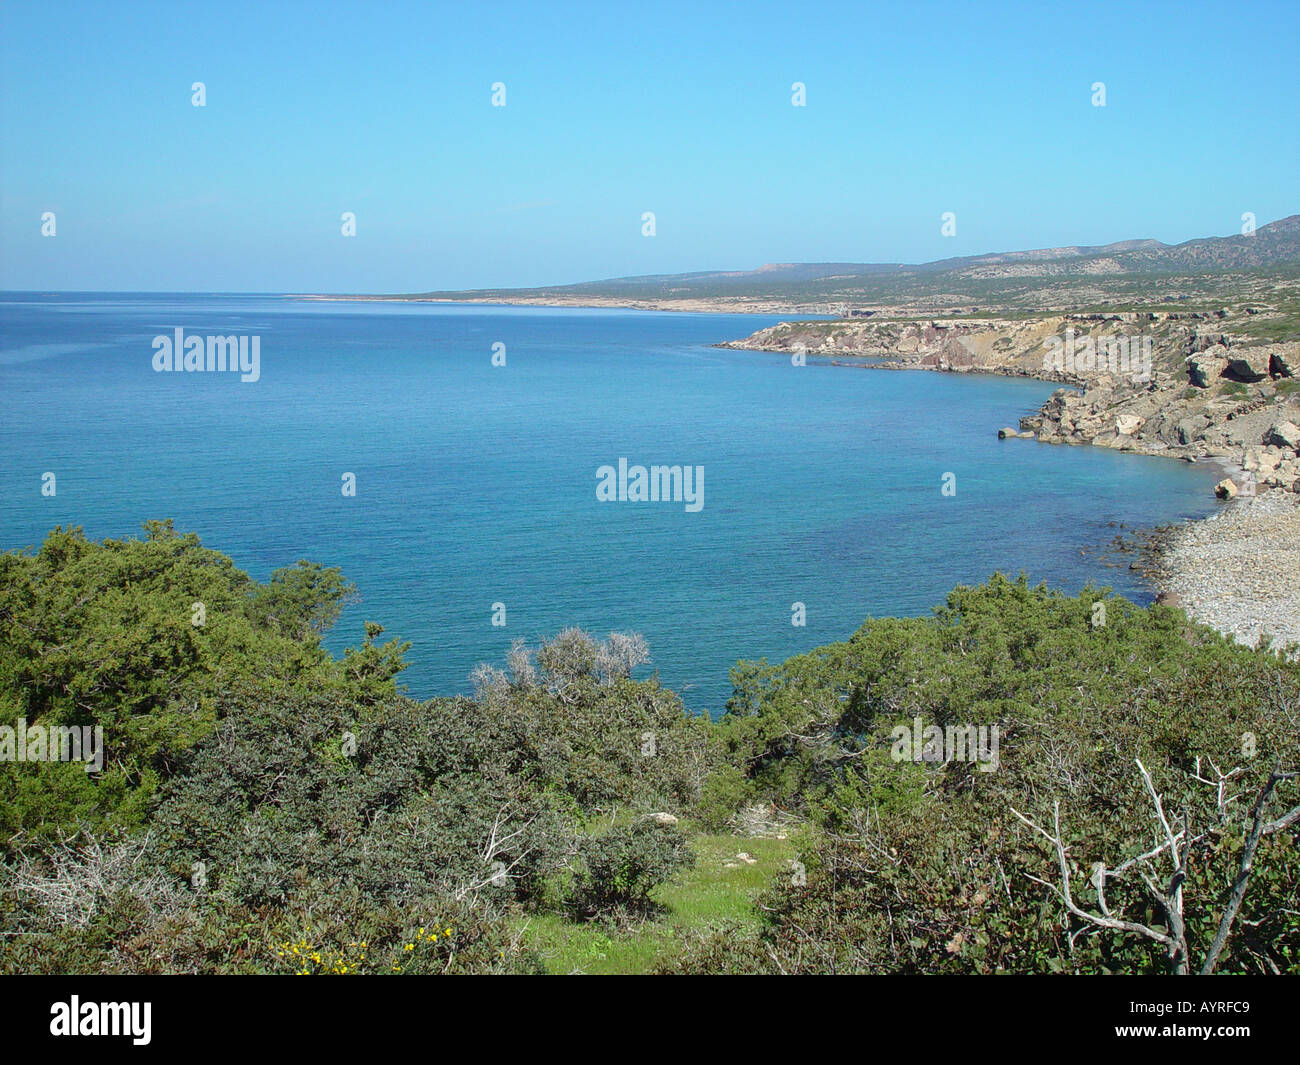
702	898
1281	327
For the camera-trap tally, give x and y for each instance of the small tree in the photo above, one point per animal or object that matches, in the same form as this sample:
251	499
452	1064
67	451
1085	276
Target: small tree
1179	838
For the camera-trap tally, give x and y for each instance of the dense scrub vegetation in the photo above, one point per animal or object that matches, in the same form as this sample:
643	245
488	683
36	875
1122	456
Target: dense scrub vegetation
1115	737
266	807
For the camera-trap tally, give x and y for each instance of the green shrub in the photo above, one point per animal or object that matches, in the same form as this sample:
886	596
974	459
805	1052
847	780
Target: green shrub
578	721
308	795
145	638
723	794
624	864
927	867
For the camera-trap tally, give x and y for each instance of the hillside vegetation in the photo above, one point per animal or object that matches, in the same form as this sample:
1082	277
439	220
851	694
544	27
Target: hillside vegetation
264	807
1205	273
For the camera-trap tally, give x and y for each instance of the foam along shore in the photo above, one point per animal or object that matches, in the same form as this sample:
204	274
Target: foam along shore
1238	571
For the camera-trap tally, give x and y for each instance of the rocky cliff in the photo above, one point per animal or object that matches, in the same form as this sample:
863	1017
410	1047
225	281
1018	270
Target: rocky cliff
1192	385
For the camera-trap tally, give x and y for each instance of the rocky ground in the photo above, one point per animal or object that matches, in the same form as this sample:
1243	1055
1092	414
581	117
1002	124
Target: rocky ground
1238	571
1218	399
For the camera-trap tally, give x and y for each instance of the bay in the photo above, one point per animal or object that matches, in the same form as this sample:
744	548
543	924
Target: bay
476	484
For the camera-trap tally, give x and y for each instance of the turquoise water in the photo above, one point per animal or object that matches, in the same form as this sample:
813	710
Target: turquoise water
476	484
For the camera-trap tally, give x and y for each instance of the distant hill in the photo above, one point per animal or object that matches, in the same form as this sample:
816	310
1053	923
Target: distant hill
993	276
1270	245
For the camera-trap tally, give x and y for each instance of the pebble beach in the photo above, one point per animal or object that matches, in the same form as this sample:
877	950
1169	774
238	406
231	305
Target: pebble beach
1239	571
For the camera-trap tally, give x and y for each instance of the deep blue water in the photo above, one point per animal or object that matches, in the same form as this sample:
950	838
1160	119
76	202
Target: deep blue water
476	484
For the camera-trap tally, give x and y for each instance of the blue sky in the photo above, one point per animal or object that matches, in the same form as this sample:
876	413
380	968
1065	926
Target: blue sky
384	109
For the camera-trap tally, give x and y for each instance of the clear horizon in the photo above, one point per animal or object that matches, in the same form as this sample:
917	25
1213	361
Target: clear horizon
522	288
910	111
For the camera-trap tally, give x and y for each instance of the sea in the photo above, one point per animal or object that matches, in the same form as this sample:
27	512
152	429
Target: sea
472	469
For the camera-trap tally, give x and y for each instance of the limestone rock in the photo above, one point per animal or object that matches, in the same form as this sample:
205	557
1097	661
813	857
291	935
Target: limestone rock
1208	366
1192	428
956	353
1284	361
1284	434
1225	489
1248	364
1197	342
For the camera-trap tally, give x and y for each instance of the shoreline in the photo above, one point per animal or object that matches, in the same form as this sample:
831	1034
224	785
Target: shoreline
685	305
877	362
1236	571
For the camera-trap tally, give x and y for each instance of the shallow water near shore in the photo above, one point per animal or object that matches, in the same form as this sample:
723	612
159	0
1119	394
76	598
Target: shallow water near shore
476	484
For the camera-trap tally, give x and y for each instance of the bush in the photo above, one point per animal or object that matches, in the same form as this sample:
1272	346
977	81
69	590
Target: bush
577	720
308	795
723	794
916	866
145	638
624	864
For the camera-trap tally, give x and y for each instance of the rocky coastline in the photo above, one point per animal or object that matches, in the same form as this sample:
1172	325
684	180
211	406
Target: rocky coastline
1195	386
1181	385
